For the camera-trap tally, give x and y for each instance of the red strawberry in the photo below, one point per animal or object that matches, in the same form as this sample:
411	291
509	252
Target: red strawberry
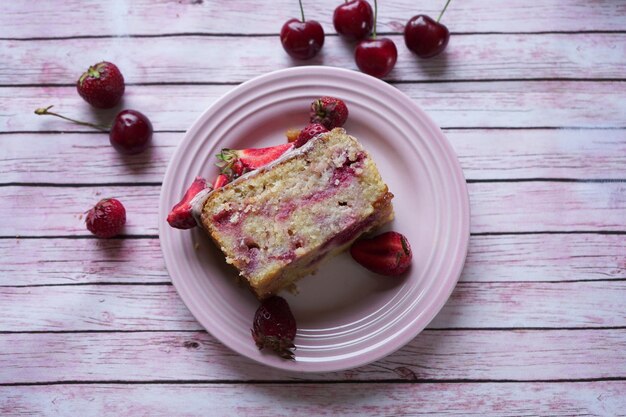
310	131
386	254
180	217
107	218
329	111
236	162
274	327
102	85
238	169
220	181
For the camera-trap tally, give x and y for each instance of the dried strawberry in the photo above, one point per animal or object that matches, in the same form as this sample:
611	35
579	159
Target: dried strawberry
181	217
274	327
329	111
310	131
107	218
236	162
386	254
102	85
220	181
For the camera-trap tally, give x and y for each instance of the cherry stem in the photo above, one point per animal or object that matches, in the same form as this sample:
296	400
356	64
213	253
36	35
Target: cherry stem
46	111
301	10
375	19
443	11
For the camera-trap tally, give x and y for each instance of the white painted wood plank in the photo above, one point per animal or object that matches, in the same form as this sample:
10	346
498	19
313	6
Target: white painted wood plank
506	258
81	261
524	355
535	206
202	59
471	305
545	258
484	154
33	157
77	17
489	154
602	398
552	304
111	307
50	211
467	105
495	207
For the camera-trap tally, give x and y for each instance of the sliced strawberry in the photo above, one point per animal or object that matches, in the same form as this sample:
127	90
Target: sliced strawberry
235	162
180	217
386	254
220	181
274	327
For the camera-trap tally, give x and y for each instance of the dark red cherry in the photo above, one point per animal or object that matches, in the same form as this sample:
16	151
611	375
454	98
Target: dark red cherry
302	40
354	19
376	57
425	37
131	132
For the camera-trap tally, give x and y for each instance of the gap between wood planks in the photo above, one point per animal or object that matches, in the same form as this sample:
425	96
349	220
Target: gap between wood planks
158	183
83	132
169	283
428	329
309	382
537	232
269	35
390	81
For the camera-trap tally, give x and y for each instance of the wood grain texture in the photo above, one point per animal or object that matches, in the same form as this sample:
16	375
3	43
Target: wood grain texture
484	154
148	17
522	355
603	398
467	105
495	207
191	59
545	258
32	157
536	325
507	258
158	307
50	211
81	261
532	206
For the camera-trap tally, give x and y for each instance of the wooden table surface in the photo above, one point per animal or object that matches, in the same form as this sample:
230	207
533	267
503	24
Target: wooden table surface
532	96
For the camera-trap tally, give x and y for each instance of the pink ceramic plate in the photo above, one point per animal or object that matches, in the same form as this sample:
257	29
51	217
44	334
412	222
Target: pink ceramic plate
346	316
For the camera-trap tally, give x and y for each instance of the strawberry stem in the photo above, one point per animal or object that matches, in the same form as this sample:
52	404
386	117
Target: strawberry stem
93	72
46	111
443	11
375	19
301	10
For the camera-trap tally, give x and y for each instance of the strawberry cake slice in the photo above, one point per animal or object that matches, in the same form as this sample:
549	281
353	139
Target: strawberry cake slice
276	224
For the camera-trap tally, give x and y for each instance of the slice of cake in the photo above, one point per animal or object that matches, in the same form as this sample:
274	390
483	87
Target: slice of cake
276	224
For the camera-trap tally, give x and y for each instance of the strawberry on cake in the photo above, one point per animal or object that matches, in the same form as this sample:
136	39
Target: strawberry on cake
277	223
